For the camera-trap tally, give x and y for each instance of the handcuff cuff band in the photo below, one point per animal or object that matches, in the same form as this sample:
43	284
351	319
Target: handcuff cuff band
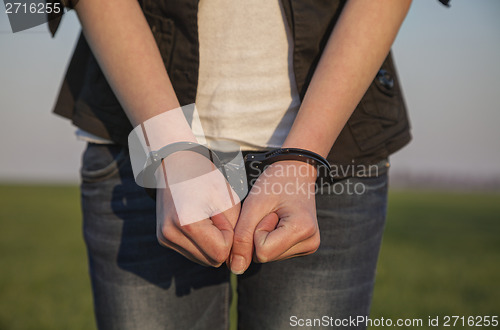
259	161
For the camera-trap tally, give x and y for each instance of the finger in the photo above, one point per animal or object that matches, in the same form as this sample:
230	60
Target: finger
196	257
208	241
303	248
289	233
232	215
226	228
176	240
170	236
265	226
201	241
252	213
268	224
213	237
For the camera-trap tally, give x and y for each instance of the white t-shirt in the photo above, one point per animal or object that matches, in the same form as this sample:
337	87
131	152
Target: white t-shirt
246	88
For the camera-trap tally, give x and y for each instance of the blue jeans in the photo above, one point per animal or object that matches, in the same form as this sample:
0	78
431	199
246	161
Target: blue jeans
138	284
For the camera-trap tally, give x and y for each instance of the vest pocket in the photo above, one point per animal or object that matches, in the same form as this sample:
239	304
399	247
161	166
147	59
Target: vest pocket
380	111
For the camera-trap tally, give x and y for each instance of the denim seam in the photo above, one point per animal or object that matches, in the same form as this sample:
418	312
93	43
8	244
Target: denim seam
226	304
95	176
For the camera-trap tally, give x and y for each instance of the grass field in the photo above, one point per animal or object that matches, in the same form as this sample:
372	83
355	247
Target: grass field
440	256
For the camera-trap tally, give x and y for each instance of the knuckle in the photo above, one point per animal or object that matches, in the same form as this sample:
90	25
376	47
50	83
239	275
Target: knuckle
166	234
189	229
219	256
301	231
216	265
314	244
261	255
243	237
309	230
305	229
162	241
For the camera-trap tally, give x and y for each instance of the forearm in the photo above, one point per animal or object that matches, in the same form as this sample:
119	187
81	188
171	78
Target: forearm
124	46
355	51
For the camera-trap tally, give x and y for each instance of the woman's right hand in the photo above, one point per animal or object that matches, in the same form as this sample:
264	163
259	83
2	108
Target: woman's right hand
197	211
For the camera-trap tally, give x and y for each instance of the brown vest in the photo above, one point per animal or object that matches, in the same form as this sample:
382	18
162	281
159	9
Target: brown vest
378	127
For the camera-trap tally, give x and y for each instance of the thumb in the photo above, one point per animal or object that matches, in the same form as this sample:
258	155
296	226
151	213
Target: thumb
242	250
296	234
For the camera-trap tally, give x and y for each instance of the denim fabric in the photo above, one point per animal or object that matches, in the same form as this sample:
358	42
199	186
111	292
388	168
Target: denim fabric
138	284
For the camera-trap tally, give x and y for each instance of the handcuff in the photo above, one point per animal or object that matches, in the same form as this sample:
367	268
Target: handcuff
154	159
233	171
260	161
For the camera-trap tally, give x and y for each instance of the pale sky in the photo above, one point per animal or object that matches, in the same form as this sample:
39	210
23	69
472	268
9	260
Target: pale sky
448	61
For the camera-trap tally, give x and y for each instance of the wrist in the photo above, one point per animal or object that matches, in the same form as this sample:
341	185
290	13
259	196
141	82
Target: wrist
185	165
316	164
295	169
315	142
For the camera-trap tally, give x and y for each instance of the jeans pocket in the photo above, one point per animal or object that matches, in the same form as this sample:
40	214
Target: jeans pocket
102	161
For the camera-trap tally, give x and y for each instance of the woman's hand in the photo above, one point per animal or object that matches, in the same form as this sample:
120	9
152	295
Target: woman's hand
198	210
278	218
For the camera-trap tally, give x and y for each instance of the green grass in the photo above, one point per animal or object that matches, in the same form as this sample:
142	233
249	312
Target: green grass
440	256
43	272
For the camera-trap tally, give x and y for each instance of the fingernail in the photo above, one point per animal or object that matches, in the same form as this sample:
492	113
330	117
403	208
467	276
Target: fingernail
237	264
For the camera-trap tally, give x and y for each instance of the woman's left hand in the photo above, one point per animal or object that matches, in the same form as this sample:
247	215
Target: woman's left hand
278	218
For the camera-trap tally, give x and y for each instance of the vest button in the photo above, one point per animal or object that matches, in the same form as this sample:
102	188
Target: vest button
385	79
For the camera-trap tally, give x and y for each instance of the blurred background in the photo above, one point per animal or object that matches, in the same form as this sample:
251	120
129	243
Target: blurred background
441	250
